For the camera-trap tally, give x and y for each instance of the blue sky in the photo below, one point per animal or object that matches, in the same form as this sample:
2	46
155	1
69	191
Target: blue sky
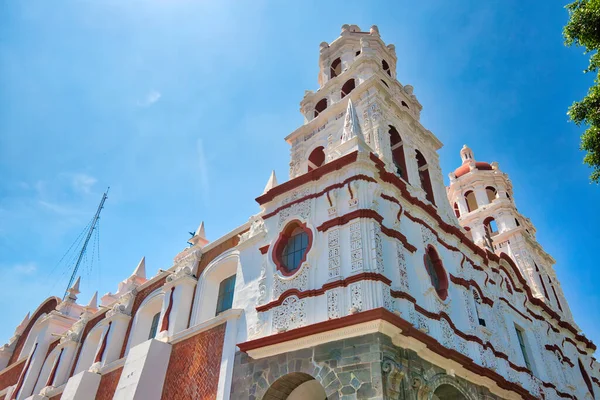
181	108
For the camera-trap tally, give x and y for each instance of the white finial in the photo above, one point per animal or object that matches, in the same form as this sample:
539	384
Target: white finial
200	231
199	237
93	301
271	183
466	154
140	270
75	288
351	125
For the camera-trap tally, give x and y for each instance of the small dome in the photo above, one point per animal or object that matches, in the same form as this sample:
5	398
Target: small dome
464	169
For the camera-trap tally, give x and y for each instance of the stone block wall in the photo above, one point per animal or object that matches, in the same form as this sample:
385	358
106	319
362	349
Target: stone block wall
194	367
364	367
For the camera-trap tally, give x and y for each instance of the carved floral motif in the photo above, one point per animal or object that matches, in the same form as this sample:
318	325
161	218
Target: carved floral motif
356	254
290	314
333	242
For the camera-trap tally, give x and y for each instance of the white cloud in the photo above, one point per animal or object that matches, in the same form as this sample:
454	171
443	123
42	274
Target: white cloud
83	183
25	268
152	97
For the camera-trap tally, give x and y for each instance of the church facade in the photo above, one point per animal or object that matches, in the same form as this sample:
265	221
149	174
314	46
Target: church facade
362	277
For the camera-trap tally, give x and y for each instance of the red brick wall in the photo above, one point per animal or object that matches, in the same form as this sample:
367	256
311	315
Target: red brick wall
194	367
11	377
57	397
108	384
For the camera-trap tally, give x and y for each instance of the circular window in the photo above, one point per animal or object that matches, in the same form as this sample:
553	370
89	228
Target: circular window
291	247
436	271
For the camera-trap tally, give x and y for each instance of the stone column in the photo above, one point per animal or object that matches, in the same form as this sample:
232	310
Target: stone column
179	288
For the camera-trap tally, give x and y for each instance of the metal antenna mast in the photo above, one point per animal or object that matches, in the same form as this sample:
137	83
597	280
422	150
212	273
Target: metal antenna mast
87	239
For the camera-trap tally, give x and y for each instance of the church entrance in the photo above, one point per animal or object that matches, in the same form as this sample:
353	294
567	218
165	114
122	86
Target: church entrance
448	392
296	386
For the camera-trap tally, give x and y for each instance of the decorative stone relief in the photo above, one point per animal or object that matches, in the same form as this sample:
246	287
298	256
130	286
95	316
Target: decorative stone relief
188	258
257	229
462	347
403	273
296	160
428	236
377	248
262	282
356	300
447	334
333	243
470	314
388	302
302	209
180	273
333	304
422	324
290	314
298	281
356	254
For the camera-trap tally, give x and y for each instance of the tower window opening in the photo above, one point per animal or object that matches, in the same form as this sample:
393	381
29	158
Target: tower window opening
507	195
405	105
424	176
358	53
456	210
586	377
348	87
492	193
398	152
537	269
478	307
436	271
385	83
555	295
490	226
320	107
386	67
517	222
336	68
471	201
316	158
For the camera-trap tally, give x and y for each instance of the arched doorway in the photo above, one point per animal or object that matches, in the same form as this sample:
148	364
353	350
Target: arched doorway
448	392
296	386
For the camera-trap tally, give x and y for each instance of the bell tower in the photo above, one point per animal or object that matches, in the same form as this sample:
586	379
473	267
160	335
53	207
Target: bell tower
481	197
358	86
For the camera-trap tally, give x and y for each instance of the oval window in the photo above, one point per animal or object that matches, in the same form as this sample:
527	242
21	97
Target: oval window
292	246
436	271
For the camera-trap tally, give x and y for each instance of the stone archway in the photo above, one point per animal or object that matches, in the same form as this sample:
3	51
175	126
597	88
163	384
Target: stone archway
296	386
448	392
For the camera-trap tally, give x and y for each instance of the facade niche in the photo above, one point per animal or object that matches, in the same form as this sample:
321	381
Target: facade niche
471	201
386	67
424	177
436	271
398	152
492	193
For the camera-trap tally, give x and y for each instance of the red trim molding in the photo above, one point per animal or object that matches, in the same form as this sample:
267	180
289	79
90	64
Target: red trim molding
100	353
407	330
264	249
313	175
367	213
164	326
281	242
468	284
365	276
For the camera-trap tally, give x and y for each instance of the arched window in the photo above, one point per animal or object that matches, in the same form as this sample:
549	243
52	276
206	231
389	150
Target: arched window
424	176
456	210
492	193
347	88
316	158
292	247
404	104
336	68
478	307
398	152
154	326
321	105
386	67
89	348
490	226
471	201
436	271
448	392
144	318
225	297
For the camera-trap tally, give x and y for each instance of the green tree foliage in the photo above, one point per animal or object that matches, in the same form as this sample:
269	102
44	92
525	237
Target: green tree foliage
583	29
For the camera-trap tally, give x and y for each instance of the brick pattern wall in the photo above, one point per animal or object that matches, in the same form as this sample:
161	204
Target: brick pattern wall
9	378
44	309
108	384
194	367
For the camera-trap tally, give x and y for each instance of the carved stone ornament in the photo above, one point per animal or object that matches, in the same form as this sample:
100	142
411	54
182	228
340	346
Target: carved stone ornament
257	229
393	374
188	258
117	309
290	314
180	273
298	281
